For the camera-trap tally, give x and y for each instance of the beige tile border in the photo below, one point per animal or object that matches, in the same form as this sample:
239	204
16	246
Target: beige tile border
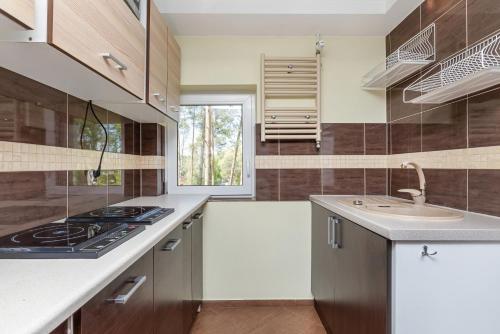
30	157
470	158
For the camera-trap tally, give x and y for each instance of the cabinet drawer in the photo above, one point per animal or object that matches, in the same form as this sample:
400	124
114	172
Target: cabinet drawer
89	30
157	69
134	313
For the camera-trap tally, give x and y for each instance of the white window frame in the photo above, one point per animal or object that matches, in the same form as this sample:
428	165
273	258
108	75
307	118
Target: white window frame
248	147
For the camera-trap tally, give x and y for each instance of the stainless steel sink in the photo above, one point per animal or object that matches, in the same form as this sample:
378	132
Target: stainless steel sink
401	209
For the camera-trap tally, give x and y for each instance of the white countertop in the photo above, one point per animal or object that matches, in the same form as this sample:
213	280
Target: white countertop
37	295
473	227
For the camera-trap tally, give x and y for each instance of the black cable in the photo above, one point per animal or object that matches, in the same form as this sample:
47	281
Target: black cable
97	172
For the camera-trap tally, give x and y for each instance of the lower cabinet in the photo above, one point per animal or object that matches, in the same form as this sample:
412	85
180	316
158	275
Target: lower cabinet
187	292
169	283
350	275
125	305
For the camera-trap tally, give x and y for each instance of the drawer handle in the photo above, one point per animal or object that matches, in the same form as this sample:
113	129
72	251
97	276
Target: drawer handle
171	245
123	299
198	216
119	65
159	97
187	225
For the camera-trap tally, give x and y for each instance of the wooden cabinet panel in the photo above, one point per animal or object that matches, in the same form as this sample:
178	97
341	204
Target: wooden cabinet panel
350	275
20	11
188	293
174	74
100	315
157	59
169	284
322	266
197	263
360	281
87	30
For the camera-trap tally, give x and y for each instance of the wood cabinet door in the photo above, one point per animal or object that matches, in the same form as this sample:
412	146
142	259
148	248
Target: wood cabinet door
169	284
361	303
132	313
174	74
188	293
157	59
103	35
21	12
322	266
197	262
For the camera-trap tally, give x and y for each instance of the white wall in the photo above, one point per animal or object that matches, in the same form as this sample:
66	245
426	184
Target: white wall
257	250
236	61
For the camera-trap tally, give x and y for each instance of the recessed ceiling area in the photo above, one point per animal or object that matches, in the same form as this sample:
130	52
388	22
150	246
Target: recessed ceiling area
284	17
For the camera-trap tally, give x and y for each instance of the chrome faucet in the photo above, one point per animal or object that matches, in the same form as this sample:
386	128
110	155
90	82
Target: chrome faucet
417	195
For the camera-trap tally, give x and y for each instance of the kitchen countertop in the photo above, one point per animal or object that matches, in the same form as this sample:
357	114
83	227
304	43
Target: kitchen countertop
37	295
473	227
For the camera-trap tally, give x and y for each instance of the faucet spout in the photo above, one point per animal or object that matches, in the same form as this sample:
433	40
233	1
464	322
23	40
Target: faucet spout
418	196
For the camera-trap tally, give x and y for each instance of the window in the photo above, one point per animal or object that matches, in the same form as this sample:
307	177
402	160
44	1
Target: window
214	146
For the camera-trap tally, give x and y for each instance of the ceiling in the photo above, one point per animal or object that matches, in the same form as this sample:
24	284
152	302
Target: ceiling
285	17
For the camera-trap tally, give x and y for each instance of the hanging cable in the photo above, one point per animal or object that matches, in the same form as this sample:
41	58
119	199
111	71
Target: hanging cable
95	173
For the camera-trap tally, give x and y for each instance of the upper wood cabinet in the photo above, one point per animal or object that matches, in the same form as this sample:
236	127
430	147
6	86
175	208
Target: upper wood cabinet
174	74
21	12
103	35
157	59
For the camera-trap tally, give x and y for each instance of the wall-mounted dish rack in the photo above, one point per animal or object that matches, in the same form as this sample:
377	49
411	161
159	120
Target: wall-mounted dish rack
475	69
416	53
291	95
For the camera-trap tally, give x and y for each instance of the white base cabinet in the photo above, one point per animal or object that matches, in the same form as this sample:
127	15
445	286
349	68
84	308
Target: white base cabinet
455	291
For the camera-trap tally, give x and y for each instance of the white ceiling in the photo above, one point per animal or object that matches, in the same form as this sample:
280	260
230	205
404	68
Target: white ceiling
285	17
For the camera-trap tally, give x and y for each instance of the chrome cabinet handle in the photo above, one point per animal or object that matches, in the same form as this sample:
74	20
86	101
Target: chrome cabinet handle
425	252
171	245
159	97
123	299
119	65
337	233
330	222
198	216
187	225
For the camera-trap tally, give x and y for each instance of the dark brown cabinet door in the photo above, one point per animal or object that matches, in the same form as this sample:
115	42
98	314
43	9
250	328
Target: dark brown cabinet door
350	275
322	263
197	262
361	281
188	294
125	305
168	283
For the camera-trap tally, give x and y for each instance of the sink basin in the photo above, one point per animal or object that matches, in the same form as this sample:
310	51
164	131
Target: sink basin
402	209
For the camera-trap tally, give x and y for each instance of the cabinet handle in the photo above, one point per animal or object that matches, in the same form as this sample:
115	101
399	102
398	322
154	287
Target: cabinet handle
119	65
171	245
159	97
330	223
187	225
123	299
198	216
336	233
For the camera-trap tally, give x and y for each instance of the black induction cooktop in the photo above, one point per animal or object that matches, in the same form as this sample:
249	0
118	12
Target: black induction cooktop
67	240
125	214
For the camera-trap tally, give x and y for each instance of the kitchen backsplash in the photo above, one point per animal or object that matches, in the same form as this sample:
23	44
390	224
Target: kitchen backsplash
458	143
43	159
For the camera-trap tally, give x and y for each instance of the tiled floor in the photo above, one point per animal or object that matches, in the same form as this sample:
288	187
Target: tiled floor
258	320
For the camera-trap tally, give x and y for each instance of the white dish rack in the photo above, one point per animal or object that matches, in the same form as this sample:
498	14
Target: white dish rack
474	69
291	98
416	53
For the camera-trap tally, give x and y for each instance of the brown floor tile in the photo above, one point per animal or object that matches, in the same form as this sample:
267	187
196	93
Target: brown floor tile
258	320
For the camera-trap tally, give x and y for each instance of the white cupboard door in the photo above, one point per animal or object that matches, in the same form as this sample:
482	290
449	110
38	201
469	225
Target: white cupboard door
455	291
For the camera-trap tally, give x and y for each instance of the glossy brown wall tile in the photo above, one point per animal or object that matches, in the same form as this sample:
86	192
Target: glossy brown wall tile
151	137
399	109
265	148
152	182
405	30
433	10
120	185
406	135
267	185
347	181
375	139
376	181
29	199
342	138
484	119
298	184
445	127
447	187
83	197
93	137
484	191
483	18
451	33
